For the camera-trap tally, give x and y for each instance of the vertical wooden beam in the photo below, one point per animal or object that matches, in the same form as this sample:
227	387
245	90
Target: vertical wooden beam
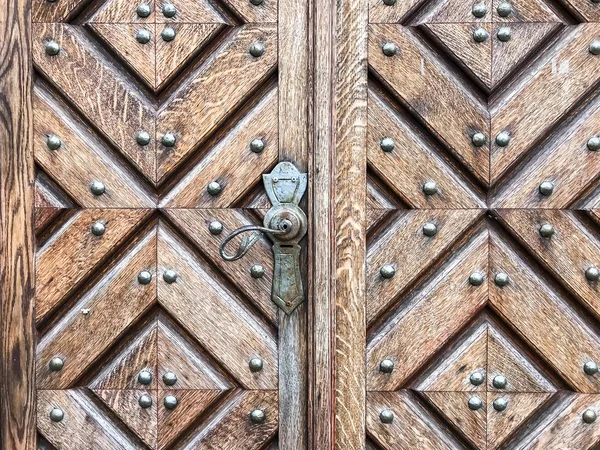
17	392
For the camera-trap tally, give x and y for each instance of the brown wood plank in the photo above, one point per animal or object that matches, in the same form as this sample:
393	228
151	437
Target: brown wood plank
379	12
265	12
190	11
454	11
525	11
121	11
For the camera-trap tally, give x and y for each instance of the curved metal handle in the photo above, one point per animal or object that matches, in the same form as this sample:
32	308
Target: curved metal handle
248	242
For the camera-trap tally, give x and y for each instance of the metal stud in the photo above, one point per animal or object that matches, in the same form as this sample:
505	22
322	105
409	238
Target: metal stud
145	401
430	188
52	48
169	10
257	145
169	378
504	9
547	230
389	49
503	139
257	271
595	1
56	364
214	188
86	311
479	139
592	273
386	366
97	187
143	10
144	277
590	368
503	34
595	47
168	140
57	415
142	138
142	36
144	377
479	10
389	2
589	416
499	382
546	188
475	403
476	279
430	229
170	276
256	2
480	34
255	364
500	404
53	142
387	271
215	228
170	402
98	228
477	378
257	416
168	34
501	279
386	416
51	1
387	144
257	49
593	144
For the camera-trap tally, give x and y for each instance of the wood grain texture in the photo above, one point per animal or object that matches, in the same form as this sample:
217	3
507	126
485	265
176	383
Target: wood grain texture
379	12
121	11
266	12
526	11
453	11
190	11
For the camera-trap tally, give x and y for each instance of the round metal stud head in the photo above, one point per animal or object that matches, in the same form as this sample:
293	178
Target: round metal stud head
479	139
257	49
255	364
52	48
170	402
387	144
480	34
257	271
595	47
258	416
97	187
503	34
56	364
546	188
476	279
501	279
142	36
504	9
168	140
499	382
592	273
590	368
143	10
98	228
479	10
168	34
53	142
547	230
477	378
215	228
503	139
257	145
430	188
389	2
387	271
169	10
389	49
256	2
475	403
170	276
214	188
144	277
589	416
144	377
169	378
593	144
500	404
145	401
57	415
430	229
142	138
386	416
386	366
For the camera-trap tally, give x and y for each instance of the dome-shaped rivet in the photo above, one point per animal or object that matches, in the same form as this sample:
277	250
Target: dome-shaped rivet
214	188
386	366
479	139
479	10
589	416
255	364
500	404
52	48
170	402
504	9
142	36
142	138
389	2
590	368
97	187
257	416
256	2
430	229
257	271
593	144
57	415
546	188
387	271
595	47
51	1
144	377
480	34
592	273
387	144
86	311
144	277
503	34
145	401
499	382
389	49
169	378
430	188
595	1
501	279
215	228
168	34
56	364
257	49
477	378
169	10
98	228
257	145
168	140
476	279
53	142
170	276
386	416
143	10
503	139
547	230
475	403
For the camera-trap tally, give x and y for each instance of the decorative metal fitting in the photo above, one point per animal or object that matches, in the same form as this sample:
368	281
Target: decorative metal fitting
480	34
169	10
98	228
504	9
547	230
168	34
546	188
387	271
56	364
142	36
386	366
387	144
145	377
169	378
499	382
593	144
476	279
386	416
500	404
478	139
86	311
389	49
503	34
475	403
97	187
589	416
257	145
144	277
503	139
53	142
257	49
590	368
170	276
257	271
257	416
255	364
595	47
430	229
214	188
430	188
477	378
142	138
52	48
501	279
145	401
256	2
592	273
168	139
595	1
57	415
479	10
170	402
143	10
215	228
389	2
